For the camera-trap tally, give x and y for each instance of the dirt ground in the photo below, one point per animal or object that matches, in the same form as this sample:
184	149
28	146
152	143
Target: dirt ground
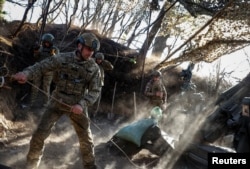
62	148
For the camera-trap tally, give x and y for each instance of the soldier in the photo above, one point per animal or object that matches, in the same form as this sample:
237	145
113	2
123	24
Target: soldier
104	65
242	134
156	91
47	49
78	86
186	76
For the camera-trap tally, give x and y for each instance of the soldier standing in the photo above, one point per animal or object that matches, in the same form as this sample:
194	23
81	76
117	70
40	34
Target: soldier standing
78	86
242	134
156	91
46	50
104	65
186	76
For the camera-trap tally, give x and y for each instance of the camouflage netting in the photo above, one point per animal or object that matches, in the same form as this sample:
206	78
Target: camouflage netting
229	31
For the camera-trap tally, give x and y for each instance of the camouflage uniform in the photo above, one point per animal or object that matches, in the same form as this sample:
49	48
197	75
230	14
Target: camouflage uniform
152	88
104	66
78	83
241	124
46	78
186	76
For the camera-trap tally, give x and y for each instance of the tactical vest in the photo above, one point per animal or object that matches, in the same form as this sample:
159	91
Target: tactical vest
74	76
44	53
157	87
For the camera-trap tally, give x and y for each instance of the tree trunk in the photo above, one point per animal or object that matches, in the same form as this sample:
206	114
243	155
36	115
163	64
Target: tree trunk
30	4
151	36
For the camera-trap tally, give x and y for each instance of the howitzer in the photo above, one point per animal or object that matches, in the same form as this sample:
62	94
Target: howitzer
235	92
228	93
225	118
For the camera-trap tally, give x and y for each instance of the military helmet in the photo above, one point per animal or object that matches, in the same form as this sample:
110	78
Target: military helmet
90	40
99	55
156	73
47	37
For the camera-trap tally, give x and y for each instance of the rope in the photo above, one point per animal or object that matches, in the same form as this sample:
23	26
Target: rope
67	105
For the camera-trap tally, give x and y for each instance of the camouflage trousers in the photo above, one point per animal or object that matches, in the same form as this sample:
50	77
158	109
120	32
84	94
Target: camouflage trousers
81	125
45	80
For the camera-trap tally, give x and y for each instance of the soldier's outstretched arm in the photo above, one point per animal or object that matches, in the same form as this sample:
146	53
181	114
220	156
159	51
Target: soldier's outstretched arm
50	64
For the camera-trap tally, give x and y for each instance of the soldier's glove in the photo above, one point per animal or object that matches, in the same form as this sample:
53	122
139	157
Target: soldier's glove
20	77
77	109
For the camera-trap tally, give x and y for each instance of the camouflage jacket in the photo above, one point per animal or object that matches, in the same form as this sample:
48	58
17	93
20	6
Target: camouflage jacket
78	81
153	87
105	66
43	53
